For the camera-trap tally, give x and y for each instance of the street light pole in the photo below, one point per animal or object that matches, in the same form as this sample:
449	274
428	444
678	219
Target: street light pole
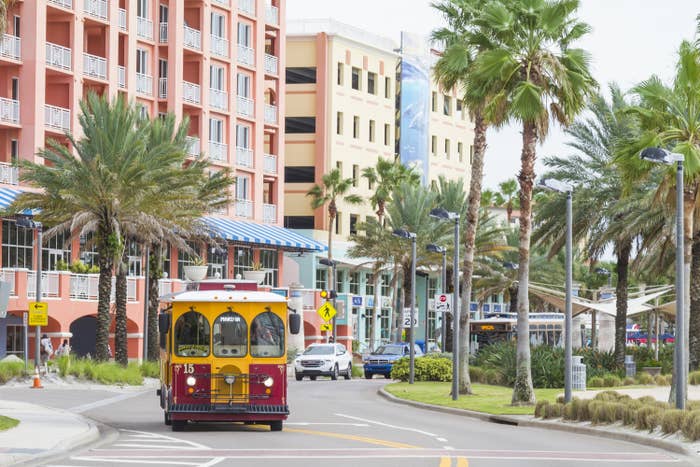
146	299
39	259
444	290
330	266
412	334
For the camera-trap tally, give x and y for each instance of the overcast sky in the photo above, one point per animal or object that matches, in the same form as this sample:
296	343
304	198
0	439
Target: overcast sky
631	39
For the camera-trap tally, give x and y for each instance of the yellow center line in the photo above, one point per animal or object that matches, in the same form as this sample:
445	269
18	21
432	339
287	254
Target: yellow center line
379	442
462	462
445	462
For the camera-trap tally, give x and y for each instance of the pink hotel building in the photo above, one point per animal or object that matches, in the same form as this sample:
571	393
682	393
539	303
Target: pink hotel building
218	62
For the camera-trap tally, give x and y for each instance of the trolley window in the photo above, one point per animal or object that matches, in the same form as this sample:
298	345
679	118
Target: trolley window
230	335
192	335
267	335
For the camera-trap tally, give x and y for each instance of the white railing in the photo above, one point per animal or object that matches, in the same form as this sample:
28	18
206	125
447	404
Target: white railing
218	99
221	2
58	56
63	3
86	287
219	46
57	117
121	76
193	147
191	92
244	208
97	8
271	114
165	286
144	28
269	164
269	213
9	110
245	106
162	88
163	35
94	66
11	47
144	84
217	151
246	55
247	6
9	174
193	38
122	19
272	14
49	284
244	157
271	64
131	283
8	275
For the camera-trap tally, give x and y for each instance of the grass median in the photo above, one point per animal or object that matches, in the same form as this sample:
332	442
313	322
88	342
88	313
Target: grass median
6	423
485	398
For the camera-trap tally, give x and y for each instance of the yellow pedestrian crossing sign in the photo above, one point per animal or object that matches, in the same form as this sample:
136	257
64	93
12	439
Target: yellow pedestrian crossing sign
326	327
326	311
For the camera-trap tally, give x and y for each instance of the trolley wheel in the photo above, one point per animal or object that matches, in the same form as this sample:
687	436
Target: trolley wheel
166	419
178	425
299	377
334	373
276	425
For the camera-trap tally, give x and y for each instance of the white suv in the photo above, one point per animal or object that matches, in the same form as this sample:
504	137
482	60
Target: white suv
323	360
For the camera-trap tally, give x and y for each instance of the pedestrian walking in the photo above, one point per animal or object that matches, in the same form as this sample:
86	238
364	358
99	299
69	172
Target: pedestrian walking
64	349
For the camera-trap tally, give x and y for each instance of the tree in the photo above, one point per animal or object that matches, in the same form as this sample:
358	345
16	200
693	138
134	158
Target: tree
509	195
534	75
5	6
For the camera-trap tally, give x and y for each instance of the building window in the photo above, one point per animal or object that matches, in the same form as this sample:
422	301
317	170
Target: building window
339	166
460	151
339	123
387	87
459	106
218	25
353	224
244	34
355	283
432	286
340	281
141	62
387	134
371	131
243	85
242	136
371	83
434	102
142	8
341	74
299	174
356	77
216	77
242	187
242	260
185	259
301	75
447	105
56	248
338	225
17	251
14	344
369	284
433	145
355	174
216	130
14	150
386	285
321	278
370	184
295	125
299	222
447	148
270	262
356	127
217	260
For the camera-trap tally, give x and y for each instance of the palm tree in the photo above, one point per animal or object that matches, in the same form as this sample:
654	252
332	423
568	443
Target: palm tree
509	194
534	75
333	188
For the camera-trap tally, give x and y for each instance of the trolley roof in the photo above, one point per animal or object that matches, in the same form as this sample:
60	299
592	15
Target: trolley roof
224	296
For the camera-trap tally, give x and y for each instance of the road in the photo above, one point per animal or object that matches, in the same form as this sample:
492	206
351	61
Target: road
343	423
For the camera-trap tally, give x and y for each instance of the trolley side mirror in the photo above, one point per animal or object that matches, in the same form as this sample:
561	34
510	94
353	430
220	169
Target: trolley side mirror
294	323
163	327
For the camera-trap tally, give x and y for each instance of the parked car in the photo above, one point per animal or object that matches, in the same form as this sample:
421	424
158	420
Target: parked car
323	360
381	360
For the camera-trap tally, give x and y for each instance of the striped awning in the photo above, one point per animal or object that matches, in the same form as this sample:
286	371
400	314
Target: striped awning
261	234
7	196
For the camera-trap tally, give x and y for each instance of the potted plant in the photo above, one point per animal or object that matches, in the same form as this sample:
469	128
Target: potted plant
256	273
196	271
652	367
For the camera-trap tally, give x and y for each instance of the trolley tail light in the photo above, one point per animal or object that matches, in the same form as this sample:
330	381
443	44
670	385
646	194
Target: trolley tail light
191	382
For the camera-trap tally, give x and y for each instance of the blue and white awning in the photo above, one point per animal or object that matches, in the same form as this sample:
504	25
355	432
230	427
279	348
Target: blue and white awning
261	234
7	197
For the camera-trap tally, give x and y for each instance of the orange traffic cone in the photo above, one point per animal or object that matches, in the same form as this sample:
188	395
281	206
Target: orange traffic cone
37	380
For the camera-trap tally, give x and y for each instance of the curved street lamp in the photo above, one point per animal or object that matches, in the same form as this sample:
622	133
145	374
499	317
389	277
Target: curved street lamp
403	233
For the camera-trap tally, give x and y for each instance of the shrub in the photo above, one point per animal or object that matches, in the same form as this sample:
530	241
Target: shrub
596	382
606	411
672	421
662	380
540	408
580	410
476	374
9	370
425	369
628	381
691	425
645	378
553	410
150	369
357	371
493	376
694	377
607	396
610	381
648	418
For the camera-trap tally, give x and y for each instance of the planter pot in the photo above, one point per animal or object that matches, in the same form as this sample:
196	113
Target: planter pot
257	276
652	370
196	273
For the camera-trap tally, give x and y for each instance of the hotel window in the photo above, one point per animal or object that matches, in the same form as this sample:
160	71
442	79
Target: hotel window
387	87
433	145
321	278
434	102
339	123
447	105
243	85
371	83
299	174
216	130
17	246
386	285
56	248
354	283
242	260
299	222
15	89
242	187
355	127
300	125
141	62
341	74
218	25
355	174
301	75
185	259
142	8
459	106
243	136
447	148
15	23
460	151
14	150
244	34
216	77
371	131
338	226
341	283
270	262
356	77
387	134
369	284
14	343
353	224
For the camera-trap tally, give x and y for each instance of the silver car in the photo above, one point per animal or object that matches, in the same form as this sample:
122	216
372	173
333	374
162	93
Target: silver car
324	360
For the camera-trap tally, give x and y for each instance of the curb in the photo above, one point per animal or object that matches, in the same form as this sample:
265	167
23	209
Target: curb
558	426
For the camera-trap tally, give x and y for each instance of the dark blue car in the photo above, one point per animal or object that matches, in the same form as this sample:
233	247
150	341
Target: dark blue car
381	360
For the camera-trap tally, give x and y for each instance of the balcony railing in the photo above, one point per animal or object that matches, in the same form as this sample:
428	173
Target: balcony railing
193	147
165	286
244	157
271	64
85	287
163	35
49	284
122	19
63	3
218	99
270	164
271	114
144	84
8	275
244	208
96	8
57	117
272	15
193	38
217	151
94	66
144	28
269	213
219	46
222	2
162	88
11	47
9	110
9	174
247	6
58	56
191	93
246	55
245	106
121	79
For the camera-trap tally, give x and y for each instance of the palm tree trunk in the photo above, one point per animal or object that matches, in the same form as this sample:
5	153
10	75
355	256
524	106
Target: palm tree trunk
120	343
513	294
623	258
155	272
477	175
694	323
331	218
104	290
523	392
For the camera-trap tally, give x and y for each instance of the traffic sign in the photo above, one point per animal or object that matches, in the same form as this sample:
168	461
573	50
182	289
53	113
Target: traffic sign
407	318
443	303
38	314
326	311
326	327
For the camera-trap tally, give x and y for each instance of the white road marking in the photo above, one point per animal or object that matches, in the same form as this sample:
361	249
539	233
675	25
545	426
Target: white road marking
214	461
449	448
152	446
166	437
442	440
103	402
327	424
122	460
374	422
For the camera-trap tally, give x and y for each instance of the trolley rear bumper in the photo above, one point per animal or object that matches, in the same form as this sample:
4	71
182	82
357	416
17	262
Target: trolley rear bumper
228	412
